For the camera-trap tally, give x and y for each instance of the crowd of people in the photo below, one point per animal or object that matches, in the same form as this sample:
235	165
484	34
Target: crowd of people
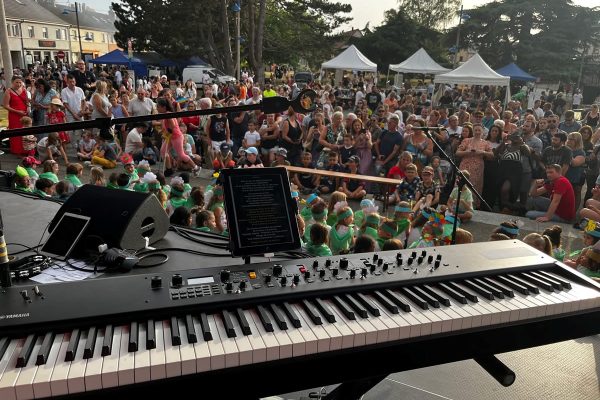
532	162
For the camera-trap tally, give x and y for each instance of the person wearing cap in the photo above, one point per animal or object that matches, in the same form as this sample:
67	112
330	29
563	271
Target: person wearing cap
134	144
29	163
55	115
21	180
223	158
164	82
252	160
280	158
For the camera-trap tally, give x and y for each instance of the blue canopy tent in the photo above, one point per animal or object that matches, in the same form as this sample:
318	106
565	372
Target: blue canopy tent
515	73
117	57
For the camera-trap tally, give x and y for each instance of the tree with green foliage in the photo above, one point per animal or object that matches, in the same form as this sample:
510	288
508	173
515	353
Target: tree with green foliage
429	15
545	37
281	31
398	38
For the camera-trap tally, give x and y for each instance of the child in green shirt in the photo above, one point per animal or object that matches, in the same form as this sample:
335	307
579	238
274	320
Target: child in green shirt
319	237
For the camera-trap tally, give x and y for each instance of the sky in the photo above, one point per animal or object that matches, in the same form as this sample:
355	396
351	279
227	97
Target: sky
363	11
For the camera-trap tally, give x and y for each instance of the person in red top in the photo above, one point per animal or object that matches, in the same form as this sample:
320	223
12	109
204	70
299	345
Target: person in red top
397	171
56	116
15	101
560	206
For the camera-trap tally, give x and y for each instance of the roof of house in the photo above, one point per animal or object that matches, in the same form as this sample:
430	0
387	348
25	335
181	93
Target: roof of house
88	17
30	10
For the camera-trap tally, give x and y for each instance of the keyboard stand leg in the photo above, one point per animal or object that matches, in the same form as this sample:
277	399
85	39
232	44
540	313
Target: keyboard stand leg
497	369
354	390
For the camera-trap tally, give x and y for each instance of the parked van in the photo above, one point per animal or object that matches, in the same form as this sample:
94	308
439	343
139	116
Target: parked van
213	75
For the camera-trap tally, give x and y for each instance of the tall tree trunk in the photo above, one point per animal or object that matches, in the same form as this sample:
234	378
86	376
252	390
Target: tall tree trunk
260	30
226	40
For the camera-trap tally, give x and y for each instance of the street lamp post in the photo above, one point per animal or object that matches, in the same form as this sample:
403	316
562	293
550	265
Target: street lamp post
236	8
66	12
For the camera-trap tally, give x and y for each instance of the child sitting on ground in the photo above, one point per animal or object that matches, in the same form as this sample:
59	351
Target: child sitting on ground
112	181
306	182
29	141
74	173
359	216
205	221
554	234
85	150
319	237
176	197
428	192
29	163
407	188
370	226
386	230
364	244
311	200
318	214
402	214
465	209
330	183
336	197
123	181
341	235
354	188
540	242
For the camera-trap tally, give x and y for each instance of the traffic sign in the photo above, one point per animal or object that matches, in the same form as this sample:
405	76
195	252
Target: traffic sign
60	54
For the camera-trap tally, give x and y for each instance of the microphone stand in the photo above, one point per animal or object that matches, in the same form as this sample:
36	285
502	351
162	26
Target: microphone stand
462	180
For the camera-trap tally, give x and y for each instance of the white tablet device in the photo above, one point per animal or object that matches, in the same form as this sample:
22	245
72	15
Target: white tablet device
65	236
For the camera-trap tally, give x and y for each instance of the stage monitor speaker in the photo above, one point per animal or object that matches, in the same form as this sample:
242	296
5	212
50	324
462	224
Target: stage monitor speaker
119	218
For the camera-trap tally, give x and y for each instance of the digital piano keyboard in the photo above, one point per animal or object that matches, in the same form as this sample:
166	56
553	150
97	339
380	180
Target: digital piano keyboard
260	329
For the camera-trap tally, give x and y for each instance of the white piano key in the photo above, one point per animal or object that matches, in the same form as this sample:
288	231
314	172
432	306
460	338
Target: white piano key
10	349
513	308
569	301
189	355
24	384
60	372
142	357
466	319
259	349
422	321
126	371
271	343
554	305
399	327
391	328
76	378
110	365
41	383
488	316
590	298
309	338
243	344
173	363
323	339
158	361
298	344
285	343
357	332
500	313
11	373
539	308
372	335
215	346
232	358
93	370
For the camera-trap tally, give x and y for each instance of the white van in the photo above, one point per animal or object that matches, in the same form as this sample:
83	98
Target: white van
197	72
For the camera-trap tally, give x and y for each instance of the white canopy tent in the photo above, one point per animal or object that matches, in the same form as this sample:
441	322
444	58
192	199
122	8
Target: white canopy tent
350	59
419	63
473	72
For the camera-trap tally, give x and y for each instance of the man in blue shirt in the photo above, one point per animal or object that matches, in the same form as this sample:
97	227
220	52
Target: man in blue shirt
388	145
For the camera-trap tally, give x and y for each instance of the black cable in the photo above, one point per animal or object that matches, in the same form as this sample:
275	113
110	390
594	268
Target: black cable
189	235
27	248
190	251
156	264
28	195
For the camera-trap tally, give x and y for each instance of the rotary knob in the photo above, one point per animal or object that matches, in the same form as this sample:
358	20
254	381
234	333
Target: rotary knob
375	257
316	264
373	266
334	271
363	272
385	266
352	273
322	273
242	285
225	274
177	280
429	259
283	280
343	263
156	282
296	279
380	262
306	274
229	286
277	269
267	278
327	263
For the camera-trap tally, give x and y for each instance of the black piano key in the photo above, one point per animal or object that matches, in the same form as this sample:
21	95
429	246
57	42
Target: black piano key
486	294
355	305
206	333
325	310
264	318
452	293
26	351
90	343
3	346
150	335
42	356
241	317
343	307
368	304
397	300
278	317
540	283
415	298
513	284
565	283
175	334
190	329
472	297
228	323
555	284
493	290
108	341
134	334
436	295
72	347
312	312
432	301
508	292
292	315
385	302
531	287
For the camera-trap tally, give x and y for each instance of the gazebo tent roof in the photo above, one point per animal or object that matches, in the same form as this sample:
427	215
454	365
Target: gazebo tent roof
419	63
350	59
473	72
513	71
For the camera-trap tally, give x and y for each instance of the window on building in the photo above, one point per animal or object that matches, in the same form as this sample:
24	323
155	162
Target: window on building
104	38
15	29
8	29
31	31
90	35
64	34
74	34
45	33
58	34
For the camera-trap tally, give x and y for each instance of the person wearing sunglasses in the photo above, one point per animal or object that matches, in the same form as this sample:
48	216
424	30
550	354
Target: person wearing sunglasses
546	135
